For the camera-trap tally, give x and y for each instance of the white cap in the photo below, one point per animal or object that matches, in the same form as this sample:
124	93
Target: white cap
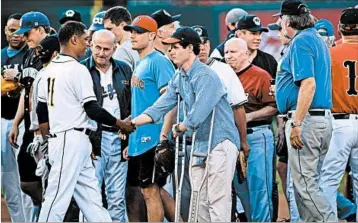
234	14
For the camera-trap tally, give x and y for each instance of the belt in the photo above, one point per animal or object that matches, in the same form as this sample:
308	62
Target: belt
311	112
257	123
85	131
345	116
109	129
250	130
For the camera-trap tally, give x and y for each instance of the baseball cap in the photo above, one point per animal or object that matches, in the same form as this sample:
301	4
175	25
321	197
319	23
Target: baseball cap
349	16
47	46
201	30
326	25
142	24
70	15
163	17
293	7
97	22
275	26
234	14
251	23
32	20
183	34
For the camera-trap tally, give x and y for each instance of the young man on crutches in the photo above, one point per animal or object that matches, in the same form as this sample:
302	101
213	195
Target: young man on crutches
203	94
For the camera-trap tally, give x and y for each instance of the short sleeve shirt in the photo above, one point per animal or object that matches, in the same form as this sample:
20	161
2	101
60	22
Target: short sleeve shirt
307	56
151	75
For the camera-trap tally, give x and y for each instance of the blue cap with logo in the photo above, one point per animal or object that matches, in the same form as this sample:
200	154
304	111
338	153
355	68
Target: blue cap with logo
97	22
32	20
326	25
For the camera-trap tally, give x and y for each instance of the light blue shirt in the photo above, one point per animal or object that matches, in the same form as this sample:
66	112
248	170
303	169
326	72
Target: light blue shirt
152	73
307	56
202	90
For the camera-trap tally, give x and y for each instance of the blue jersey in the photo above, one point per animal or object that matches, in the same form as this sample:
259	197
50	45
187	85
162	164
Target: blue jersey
152	73
307	56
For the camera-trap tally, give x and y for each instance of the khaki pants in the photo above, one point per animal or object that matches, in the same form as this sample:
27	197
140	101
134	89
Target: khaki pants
215	195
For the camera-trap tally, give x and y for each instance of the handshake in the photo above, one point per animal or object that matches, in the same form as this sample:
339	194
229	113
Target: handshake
125	126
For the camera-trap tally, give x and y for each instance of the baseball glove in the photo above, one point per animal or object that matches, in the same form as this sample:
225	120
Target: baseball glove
165	156
241	167
8	86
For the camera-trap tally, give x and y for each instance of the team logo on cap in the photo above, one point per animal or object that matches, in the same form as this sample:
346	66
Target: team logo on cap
97	21
257	21
199	31
69	13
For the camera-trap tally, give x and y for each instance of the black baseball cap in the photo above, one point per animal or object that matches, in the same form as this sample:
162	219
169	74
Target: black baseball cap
183	34
293	7
202	31
163	17
251	23
70	15
349	16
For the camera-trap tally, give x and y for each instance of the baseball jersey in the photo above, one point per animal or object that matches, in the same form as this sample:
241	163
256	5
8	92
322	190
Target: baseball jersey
109	94
66	86
125	53
345	78
34	101
256	83
235	92
152	74
307	56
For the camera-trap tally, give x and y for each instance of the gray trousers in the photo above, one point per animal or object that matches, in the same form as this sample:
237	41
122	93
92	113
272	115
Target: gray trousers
305	166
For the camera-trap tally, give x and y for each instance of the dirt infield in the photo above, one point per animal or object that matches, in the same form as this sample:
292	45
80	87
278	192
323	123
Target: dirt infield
283	211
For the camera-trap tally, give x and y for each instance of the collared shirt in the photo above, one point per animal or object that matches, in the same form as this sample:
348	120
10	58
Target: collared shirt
202	91
307	56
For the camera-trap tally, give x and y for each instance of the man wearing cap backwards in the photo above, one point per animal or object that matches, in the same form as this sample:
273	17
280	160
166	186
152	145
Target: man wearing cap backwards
202	90
11	59
111	81
114	20
70	15
149	81
230	20
260	110
166	27
345	110
249	28
303	92
34	26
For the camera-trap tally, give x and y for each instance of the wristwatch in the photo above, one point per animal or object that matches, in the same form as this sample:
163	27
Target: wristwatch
294	124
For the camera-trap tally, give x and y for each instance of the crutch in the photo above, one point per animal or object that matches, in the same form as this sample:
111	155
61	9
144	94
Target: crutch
195	189
179	154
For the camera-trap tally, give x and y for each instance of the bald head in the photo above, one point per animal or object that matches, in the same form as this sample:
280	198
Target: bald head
104	44
104	34
236	53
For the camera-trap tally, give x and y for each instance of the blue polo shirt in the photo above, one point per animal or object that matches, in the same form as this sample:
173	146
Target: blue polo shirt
307	56
152	73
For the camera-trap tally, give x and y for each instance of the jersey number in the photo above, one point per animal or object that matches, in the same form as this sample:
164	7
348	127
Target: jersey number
352	75
50	87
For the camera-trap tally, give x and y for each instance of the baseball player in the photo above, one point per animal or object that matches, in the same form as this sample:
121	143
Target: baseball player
149	81
202	90
343	145
230	20
114	20
303	91
166	27
35	26
111	81
260	109
72	172
11	60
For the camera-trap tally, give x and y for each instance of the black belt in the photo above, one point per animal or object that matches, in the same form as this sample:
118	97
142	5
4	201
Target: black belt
109	129
87	131
342	116
257	123
250	130
312	113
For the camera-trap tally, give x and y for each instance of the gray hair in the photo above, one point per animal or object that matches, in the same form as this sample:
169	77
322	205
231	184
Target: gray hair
299	22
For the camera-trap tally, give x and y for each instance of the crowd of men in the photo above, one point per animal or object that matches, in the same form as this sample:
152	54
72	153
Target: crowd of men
86	113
